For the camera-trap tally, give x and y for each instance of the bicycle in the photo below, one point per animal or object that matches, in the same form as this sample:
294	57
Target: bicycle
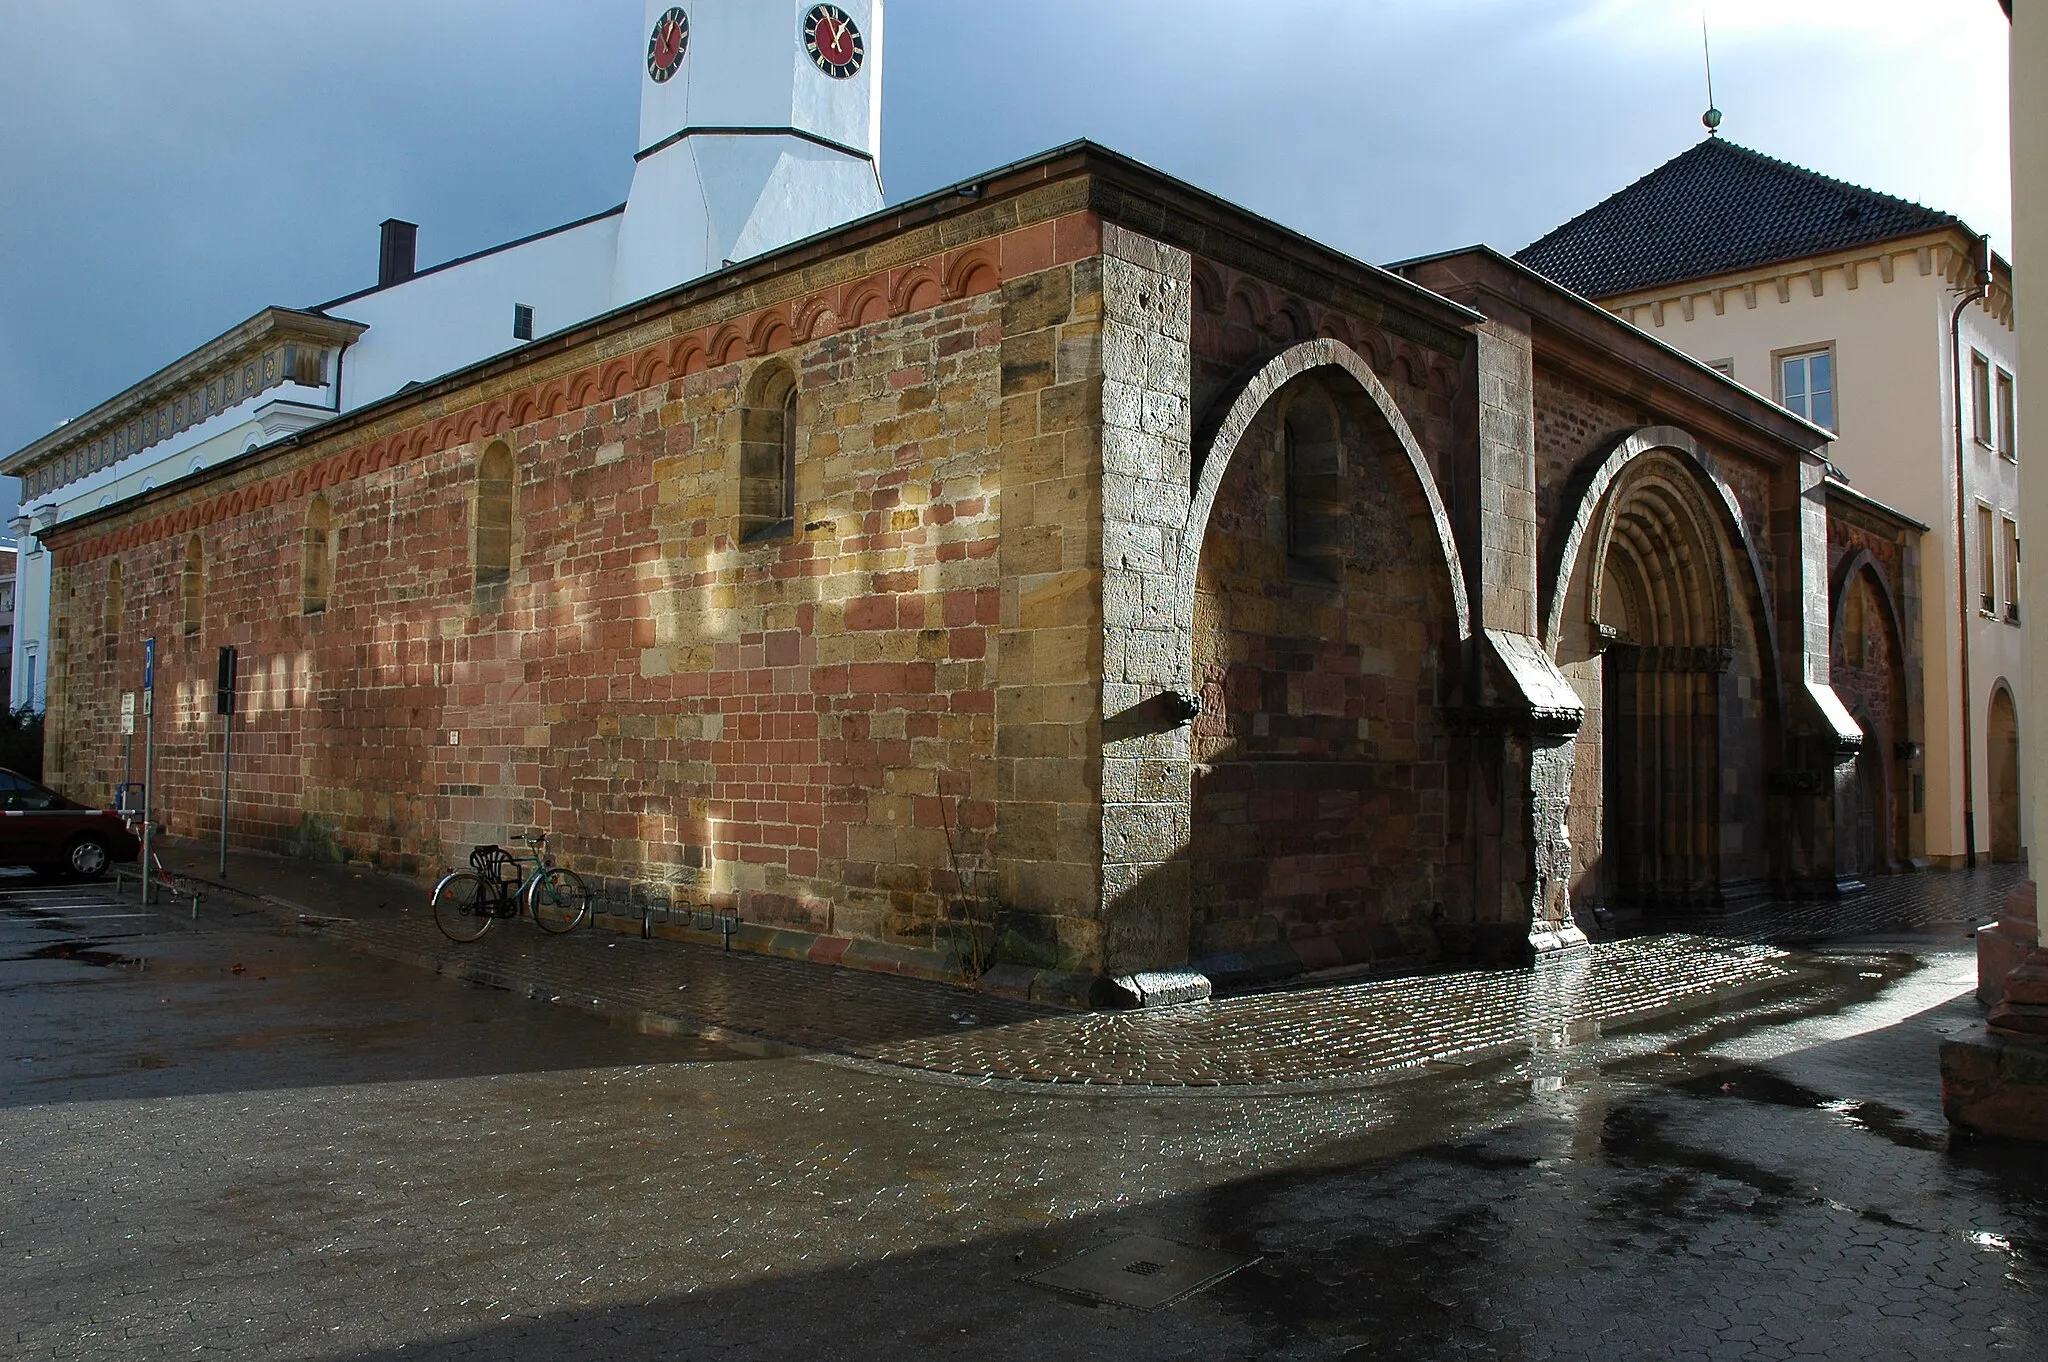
467	902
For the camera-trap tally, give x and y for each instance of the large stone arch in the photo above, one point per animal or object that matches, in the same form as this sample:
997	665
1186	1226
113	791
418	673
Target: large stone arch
1222	439
1327	625
1867	634
1656	605
1561	565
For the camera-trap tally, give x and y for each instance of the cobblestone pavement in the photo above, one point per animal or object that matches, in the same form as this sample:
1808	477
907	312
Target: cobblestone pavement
1300	1038
233	1142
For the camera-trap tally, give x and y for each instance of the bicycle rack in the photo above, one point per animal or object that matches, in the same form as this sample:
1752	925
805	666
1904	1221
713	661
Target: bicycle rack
123	874
725	924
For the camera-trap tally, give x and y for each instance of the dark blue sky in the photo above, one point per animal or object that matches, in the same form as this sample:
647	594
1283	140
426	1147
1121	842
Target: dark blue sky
171	168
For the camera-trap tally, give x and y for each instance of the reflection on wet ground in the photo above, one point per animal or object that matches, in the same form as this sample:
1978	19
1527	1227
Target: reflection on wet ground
318	1155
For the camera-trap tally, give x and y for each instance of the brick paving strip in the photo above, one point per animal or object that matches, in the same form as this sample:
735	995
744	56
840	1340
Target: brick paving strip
1335	1035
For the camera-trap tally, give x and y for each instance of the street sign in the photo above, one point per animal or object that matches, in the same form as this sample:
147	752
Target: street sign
127	713
149	664
224	683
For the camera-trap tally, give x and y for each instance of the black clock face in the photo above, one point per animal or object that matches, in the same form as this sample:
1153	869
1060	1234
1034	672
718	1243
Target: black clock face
667	44
834	44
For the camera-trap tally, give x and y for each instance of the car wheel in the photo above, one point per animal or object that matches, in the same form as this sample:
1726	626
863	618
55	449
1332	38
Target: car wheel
86	857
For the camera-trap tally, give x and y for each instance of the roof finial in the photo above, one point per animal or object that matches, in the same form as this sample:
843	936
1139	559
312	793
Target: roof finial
1712	117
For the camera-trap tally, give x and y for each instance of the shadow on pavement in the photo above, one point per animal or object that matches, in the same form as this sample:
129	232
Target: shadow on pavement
245	1007
1699	1215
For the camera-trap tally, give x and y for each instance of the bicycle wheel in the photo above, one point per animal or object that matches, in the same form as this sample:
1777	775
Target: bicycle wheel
462	909
558	900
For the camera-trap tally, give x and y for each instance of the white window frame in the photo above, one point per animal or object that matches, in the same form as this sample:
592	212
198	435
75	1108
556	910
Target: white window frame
2007	416
1981	422
1808	353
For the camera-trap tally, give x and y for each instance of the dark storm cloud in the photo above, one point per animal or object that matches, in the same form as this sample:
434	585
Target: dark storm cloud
169	168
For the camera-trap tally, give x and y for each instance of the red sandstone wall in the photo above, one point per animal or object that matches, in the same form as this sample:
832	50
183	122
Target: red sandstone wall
805	727
1323	799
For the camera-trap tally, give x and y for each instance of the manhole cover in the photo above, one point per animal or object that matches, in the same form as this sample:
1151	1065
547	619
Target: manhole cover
1142	1272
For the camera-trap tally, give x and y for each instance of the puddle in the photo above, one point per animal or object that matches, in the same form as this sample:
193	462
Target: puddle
1760	1085
85	953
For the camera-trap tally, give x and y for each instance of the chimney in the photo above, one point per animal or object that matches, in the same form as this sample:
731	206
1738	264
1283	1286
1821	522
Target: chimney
397	256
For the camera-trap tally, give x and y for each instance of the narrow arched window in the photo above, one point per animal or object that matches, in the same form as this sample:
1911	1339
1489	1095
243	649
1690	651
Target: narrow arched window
113	603
768	431
493	556
195	584
316	568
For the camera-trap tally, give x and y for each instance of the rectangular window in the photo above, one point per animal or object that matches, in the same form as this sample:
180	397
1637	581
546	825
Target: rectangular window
2009	546
2008	443
1987	562
522	322
1806	386
1723	367
1980	396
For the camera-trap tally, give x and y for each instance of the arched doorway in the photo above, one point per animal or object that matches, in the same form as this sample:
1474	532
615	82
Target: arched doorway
1660	606
2002	772
1868	672
1326	797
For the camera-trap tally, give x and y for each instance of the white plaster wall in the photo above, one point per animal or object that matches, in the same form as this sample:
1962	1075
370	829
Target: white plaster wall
707	199
747	68
31	622
436	323
1895	442
2030	268
256	420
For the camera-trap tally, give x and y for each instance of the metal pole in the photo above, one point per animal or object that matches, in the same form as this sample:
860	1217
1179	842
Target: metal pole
227	759
1965	616
148	785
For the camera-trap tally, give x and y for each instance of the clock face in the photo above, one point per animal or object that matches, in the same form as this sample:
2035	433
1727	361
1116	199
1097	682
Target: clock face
667	44
833	42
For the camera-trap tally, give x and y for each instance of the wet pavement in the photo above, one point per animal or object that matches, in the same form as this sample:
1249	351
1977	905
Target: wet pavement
231	1139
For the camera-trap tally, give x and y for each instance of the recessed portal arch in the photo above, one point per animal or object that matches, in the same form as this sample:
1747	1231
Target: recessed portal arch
1657	611
1327	611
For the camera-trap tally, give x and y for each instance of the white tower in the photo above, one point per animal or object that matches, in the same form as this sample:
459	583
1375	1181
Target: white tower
760	124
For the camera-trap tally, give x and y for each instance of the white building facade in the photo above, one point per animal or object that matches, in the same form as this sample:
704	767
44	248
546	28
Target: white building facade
1864	314
760	125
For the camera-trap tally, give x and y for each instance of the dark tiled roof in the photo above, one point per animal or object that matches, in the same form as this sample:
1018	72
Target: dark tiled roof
1717	208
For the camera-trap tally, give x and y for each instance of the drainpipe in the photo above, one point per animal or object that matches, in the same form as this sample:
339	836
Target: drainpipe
1964	615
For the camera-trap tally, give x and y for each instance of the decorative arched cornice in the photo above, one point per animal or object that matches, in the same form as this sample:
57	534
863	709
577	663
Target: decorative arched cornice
813	317
614	379
727	345
970	272
1220	446
1592	494
865	303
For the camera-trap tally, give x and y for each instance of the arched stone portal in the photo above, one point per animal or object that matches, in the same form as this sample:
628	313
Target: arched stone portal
1327	612
2002	773
1657	615
1867	664
1660	605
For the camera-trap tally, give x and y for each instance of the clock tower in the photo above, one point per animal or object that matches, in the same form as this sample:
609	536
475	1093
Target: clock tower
760	124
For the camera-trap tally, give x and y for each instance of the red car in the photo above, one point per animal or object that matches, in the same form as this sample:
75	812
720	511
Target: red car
41	828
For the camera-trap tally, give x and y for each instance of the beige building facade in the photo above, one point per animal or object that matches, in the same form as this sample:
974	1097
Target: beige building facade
1858	339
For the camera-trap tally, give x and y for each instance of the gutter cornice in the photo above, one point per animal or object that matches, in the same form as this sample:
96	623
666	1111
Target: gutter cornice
1124	191
1585	328
270	325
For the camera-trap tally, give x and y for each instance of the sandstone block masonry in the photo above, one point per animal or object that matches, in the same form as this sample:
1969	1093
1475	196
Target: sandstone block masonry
1068	570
